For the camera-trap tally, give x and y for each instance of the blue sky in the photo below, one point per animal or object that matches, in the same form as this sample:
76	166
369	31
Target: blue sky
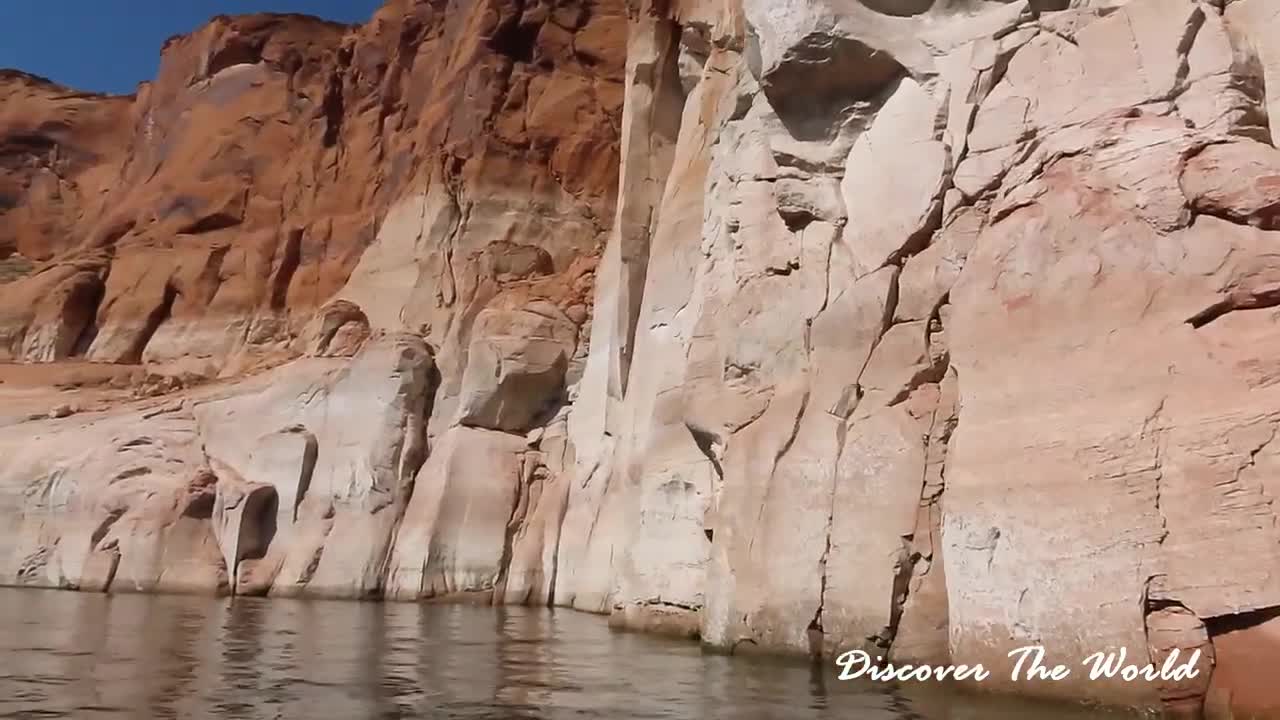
111	45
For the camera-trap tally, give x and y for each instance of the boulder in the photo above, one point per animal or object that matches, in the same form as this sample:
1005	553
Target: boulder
516	363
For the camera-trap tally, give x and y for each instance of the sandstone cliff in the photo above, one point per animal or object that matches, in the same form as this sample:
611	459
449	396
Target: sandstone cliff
931	327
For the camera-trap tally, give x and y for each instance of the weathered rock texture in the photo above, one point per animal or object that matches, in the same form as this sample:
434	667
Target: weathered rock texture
312	256
935	329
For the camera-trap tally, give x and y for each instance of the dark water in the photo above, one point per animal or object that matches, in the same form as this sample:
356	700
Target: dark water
71	655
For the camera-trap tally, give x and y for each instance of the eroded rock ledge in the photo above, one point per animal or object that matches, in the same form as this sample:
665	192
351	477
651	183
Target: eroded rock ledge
931	328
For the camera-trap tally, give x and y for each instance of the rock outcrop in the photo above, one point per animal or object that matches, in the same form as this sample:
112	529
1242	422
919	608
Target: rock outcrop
931	329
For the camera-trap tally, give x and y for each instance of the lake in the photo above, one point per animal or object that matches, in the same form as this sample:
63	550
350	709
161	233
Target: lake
73	655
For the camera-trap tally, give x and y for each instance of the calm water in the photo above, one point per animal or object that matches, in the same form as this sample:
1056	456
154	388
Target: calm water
65	655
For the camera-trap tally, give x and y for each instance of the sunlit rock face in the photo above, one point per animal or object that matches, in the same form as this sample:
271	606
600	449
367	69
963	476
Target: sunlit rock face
260	320
876	395
933	329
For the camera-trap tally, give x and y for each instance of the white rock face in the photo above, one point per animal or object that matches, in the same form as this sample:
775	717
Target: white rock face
453	538
516	366
366	420
894	179
884	454
124	505
1254	23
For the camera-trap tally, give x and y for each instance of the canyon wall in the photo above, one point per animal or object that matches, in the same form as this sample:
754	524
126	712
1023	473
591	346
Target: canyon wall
932	328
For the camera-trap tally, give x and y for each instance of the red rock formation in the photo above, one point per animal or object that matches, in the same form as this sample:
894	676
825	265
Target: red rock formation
60	153
200	223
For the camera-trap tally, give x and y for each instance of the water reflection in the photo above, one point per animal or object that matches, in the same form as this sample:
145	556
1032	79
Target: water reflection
65	655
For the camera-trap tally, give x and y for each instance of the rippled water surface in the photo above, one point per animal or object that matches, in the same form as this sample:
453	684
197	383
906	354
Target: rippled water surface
65	655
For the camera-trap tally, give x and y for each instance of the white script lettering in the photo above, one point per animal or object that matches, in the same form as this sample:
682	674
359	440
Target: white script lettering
1036	670
857	663
1112	664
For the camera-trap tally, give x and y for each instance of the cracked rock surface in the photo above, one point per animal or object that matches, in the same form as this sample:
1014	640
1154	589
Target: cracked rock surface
934	329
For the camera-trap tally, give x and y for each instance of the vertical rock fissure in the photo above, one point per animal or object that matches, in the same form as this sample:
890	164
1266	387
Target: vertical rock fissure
310	455
291	257
943	421
91	329
817	641
1152	426
553	577
777	458
660	120
154	320
413	455
314	563
515	522
818	644
80	317
707	443
110	548
1194	23
333	106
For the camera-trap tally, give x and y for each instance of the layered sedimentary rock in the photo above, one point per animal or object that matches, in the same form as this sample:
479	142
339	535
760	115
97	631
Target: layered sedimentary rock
242	307
200	222
932	329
